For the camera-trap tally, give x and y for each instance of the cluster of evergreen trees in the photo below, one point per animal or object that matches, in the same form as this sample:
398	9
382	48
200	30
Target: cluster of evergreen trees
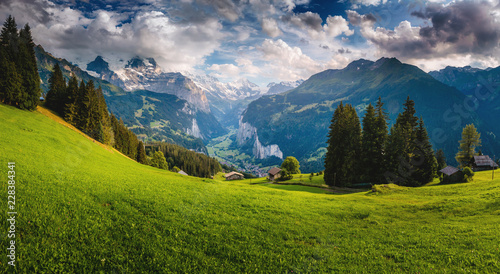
372	154
81	105
84	107
191	162
19	79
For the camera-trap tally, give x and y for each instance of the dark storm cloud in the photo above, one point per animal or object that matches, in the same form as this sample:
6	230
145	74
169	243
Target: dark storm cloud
306	20
34	11
458	23
457	28
357	20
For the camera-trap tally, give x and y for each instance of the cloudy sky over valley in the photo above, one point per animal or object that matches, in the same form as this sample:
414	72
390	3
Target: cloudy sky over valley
264	40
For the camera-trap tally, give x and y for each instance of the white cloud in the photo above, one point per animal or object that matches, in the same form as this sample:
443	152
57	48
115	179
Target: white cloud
311	23
176	46
270	27
287	63
337	25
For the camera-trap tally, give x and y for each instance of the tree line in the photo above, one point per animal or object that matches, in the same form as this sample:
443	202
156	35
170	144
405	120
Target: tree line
374	154
19	78
179	158
83	105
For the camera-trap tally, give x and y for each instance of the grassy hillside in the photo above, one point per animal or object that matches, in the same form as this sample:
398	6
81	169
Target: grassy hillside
85	208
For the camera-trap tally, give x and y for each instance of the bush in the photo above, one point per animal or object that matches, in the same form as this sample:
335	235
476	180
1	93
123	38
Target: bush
291	164
468	174
285	175
159	161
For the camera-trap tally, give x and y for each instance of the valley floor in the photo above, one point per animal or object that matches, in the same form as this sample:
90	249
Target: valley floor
84	208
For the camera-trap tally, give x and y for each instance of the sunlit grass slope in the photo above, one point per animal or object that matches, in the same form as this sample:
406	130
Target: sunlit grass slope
84	209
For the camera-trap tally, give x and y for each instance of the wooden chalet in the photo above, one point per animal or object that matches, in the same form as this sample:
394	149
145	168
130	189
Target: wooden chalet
452	175
274	173
234	176
483	162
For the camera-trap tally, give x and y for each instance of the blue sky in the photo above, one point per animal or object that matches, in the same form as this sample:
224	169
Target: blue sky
264	40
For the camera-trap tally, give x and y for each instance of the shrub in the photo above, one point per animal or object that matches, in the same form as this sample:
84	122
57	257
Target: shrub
468	174
285	175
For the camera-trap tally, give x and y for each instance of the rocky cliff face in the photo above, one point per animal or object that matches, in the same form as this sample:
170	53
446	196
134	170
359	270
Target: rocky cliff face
146	74
248	133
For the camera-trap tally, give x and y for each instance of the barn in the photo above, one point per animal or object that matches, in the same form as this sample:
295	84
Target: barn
483	162
274	173
452	175
234	176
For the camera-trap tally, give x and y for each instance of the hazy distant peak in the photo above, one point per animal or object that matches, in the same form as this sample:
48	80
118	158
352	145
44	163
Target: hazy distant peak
141	64
99	65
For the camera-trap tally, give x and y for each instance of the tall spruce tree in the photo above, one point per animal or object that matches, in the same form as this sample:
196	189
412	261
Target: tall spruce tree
56	98
29	70
343	151
9	38
11	89
471	139
369	150
397	166
141	153
81	106
70	110
423	160
380	137
441	159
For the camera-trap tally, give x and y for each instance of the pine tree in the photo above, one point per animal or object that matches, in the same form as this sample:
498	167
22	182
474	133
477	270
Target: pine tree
56	98
424	161
397	166
380	141
344	141
467	149
141	153
30	76
441	159
369	151
11	89
407	118
10	84
81	107
9	38
70	111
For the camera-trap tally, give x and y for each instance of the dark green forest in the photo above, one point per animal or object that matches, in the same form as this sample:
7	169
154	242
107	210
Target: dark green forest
403	156
191	162
19	79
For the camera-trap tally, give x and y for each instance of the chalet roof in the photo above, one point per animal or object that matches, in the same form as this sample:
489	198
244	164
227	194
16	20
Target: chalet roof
273	171
182	173
483	161
449	170
233	173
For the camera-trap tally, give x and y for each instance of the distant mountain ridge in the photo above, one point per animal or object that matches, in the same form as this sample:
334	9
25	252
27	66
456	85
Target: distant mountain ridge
482	88
275	88
152	116
145	74
296	122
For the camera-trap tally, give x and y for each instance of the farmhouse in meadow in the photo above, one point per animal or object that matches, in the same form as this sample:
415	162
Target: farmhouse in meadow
483	162
182	173
452	174
234	176
274	173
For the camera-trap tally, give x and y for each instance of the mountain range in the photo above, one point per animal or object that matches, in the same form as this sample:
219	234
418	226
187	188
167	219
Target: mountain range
290	118
296	122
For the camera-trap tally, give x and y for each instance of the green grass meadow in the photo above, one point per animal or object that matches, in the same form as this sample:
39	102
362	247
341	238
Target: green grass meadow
85	208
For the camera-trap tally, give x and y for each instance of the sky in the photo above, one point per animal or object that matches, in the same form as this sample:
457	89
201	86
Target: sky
264	40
